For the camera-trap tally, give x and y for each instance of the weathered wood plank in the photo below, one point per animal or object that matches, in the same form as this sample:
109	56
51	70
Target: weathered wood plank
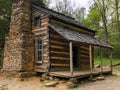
59	47
45	61
84	60
56	61
59	42
84	48
58	52
59	58
44	20
84	52
61	65
57	38
83	55
44	32
40	67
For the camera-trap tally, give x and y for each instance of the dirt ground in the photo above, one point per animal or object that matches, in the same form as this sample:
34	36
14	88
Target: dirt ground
33	83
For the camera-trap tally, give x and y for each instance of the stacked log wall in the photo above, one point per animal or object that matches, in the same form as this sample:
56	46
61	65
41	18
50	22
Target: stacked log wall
44	31
84	57
59	52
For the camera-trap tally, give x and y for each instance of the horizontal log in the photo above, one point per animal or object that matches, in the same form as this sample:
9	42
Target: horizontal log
58	47
56	61
60	58
60	65
64	46
84	61
55	35
40	67
84	48
59	42
60	55
44	23
44	16
45	43
45	55
83	55
57	52
39	28
57	38
39	33
84	58
117	64
45	20
44	28
66	49
45	61
84	52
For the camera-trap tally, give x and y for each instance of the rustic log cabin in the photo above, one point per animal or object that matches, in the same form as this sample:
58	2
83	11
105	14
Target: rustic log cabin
43	40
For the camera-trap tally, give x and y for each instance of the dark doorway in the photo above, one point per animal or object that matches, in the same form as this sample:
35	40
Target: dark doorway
75	56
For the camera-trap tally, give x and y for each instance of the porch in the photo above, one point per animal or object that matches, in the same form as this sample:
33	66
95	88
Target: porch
91	71
80	74
76	38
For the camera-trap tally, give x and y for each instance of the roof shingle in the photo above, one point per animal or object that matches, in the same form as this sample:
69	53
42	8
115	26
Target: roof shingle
62	17
78	37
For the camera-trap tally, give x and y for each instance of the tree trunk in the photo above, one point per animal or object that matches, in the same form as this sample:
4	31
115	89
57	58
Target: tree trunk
117	20
104	19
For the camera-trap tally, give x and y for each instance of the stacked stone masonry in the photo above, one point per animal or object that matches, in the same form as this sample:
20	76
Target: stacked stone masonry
19	46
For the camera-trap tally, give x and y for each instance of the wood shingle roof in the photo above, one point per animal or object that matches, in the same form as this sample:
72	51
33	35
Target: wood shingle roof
78	37
62	17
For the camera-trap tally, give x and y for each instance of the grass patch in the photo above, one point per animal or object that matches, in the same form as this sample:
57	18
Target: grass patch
106	61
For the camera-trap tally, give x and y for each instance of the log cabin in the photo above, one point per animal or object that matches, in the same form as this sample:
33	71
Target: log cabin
61	46
62	43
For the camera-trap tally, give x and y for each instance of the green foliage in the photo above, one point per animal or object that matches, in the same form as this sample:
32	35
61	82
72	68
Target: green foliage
39	2
42	79
93	18
80	14
44	3
106	61
5	11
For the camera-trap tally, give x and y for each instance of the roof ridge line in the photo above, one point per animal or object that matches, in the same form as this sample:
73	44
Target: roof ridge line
53	11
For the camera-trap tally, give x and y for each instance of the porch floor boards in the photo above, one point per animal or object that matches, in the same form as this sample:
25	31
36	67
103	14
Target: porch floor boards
79	74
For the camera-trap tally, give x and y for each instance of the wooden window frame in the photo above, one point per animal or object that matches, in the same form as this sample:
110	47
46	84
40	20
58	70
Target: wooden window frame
37	23
37	50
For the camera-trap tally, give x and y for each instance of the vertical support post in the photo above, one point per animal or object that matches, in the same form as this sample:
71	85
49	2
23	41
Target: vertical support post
101	65
71	60
49	65
90	55
111	59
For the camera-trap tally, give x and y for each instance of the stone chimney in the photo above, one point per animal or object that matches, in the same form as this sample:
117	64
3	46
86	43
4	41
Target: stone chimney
19	46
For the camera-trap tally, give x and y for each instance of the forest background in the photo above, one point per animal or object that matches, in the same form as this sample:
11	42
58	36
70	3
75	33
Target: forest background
103	16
